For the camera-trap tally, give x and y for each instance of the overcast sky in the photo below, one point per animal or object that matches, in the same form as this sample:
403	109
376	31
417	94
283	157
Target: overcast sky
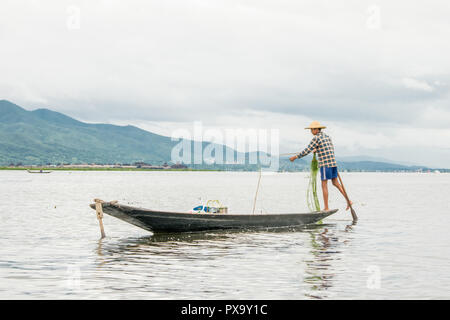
377	73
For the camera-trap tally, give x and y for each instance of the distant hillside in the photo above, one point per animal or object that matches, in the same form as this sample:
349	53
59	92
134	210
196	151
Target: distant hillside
43	136
304	165
374	159
378	166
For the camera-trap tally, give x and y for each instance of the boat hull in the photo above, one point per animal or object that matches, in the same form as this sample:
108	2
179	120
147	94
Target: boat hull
163	221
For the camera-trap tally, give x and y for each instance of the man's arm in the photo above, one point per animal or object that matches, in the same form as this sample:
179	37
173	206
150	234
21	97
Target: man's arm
311	147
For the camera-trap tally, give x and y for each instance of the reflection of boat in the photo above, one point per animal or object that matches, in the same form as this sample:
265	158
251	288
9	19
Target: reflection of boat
163	221
38	171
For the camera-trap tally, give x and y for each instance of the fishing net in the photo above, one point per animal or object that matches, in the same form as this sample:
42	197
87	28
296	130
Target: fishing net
311	193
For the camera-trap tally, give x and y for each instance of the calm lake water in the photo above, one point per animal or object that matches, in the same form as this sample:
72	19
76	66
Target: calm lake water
50	247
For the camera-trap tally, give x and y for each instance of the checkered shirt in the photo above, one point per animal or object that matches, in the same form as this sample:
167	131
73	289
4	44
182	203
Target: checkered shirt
325	150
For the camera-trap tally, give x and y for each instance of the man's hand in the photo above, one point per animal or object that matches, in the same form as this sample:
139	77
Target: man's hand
293	158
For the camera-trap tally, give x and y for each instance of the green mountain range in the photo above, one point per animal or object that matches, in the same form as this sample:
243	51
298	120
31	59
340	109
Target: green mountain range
43	137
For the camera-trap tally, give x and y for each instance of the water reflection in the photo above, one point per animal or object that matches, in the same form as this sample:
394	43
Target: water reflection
180	254
188	245
325	250
181	246
106	246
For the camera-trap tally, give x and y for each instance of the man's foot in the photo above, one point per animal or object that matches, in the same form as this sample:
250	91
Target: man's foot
348	206
326	209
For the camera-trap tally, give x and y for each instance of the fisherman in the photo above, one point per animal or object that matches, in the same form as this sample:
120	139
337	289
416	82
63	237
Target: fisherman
322	145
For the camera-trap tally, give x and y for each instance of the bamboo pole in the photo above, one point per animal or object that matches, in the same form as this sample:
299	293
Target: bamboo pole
257	189
99	210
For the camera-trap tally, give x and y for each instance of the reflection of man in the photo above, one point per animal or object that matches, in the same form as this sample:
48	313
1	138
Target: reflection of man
322	145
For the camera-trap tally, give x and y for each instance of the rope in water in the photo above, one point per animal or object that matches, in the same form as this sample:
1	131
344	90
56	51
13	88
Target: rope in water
311	193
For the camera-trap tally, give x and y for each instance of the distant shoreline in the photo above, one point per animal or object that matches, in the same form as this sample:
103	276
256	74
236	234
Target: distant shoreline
194	170
99	169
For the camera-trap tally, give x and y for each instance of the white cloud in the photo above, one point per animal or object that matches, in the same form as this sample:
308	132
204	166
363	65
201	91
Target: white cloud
435	118
417	84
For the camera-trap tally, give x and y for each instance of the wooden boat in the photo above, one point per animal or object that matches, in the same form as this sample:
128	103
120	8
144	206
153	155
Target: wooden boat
38	171
164	221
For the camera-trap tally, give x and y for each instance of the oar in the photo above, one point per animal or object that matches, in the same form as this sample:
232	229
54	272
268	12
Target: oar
355	217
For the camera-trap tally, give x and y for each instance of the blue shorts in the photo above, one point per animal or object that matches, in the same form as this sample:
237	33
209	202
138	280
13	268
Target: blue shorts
327	173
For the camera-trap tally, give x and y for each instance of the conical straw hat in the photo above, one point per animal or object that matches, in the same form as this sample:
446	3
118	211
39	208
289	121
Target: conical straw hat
315	125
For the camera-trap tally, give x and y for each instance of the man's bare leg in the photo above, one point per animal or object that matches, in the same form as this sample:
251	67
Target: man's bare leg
338	185
325	194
